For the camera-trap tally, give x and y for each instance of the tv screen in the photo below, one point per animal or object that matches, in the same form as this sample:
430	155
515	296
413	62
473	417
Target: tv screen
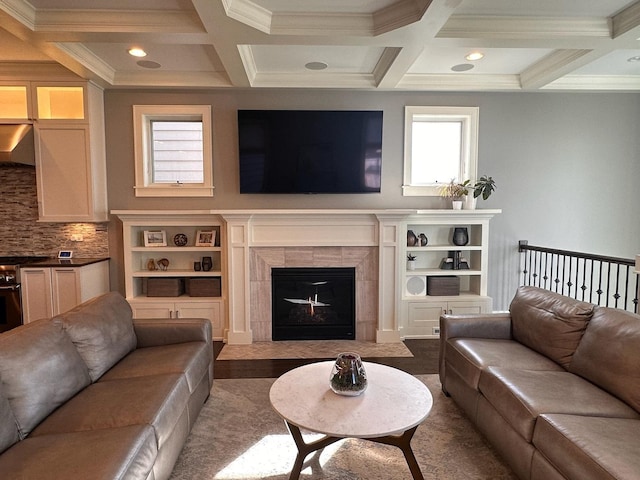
302	151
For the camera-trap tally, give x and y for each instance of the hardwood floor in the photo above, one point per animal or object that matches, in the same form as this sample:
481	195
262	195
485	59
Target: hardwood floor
424	361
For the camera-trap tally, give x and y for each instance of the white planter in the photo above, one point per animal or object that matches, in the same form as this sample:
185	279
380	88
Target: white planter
411	264
470	202
456	204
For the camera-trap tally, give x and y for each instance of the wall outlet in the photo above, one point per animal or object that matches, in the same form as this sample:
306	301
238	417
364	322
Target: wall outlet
77	237
435	330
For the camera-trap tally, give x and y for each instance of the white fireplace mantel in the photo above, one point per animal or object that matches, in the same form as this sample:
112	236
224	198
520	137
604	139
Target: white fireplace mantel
312	228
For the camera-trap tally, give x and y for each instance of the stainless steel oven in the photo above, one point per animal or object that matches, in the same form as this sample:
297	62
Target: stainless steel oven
10	297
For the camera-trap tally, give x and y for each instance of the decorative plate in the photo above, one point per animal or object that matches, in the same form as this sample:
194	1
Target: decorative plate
180	240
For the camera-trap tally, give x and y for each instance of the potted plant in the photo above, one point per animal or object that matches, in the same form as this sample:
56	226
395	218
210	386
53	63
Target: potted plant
456	191
411	262
484	186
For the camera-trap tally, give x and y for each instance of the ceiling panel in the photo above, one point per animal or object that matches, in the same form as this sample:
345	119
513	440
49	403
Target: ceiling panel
385	44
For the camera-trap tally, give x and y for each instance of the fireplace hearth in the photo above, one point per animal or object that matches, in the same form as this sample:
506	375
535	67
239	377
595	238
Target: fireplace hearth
313	303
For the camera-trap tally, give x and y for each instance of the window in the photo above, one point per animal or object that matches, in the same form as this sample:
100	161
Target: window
441	144
173	150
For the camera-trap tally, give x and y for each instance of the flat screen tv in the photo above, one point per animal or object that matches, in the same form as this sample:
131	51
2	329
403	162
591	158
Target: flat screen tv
302	151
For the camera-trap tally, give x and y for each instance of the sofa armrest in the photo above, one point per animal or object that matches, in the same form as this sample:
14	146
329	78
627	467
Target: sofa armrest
153	332
487	325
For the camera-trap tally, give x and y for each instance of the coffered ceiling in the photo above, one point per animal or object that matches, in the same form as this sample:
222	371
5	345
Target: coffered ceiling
417	45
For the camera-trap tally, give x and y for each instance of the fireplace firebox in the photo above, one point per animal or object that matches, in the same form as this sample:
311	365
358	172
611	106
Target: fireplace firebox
313	303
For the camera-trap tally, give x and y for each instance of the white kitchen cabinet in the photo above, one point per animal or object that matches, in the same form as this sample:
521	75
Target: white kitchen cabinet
71	161
49	291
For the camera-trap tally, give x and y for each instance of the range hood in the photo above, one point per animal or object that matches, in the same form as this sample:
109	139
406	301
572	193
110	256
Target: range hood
16	144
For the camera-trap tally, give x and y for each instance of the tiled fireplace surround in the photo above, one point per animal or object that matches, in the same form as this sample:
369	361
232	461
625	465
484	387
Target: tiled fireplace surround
259	241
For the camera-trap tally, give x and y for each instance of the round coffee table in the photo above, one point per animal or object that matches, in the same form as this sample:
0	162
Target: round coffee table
388	412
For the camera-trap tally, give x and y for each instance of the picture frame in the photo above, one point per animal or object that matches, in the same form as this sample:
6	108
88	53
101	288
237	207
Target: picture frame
155	238
206	238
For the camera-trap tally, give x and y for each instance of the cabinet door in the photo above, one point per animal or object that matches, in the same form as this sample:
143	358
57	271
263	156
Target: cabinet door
209	310
423	317
153	310
36	293
63	173
482	305
65	289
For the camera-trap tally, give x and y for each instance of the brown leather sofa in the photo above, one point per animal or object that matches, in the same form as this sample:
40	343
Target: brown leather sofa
94	394
554	385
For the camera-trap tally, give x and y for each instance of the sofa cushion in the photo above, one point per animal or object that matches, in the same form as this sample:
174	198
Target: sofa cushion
608	354
117	453
102	331
157	400
549	323
590	448
469	356
9	433
192	359
521	395
40	369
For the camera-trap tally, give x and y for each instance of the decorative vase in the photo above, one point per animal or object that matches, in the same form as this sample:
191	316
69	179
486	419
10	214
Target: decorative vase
460	236
348	376
207	264
412	239
423	240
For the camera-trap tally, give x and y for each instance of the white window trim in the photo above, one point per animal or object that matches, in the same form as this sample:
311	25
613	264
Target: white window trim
142	116
469	151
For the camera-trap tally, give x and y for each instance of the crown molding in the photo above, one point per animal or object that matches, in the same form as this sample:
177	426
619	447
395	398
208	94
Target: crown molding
89	60
249	62
596	82
134	21
452	82
325	24
626	20
249	13
21	10
314	80
385	62
162	79
473	26
551	67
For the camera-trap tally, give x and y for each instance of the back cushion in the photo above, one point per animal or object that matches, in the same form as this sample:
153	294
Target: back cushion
102	331
609	354
8	427
549	323
40	369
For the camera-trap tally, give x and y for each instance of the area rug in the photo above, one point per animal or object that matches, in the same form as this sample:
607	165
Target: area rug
311	349
239	437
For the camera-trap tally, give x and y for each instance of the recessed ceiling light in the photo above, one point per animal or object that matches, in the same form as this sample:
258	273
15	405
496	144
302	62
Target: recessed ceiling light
474	56
634	59
148	64
316	66
137	52
463	67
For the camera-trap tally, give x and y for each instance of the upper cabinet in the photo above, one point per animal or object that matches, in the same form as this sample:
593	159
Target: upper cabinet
70	153
62	102
15	104
68	123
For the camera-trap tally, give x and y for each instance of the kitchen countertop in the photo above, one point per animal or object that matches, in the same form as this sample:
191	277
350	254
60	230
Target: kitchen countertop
71	262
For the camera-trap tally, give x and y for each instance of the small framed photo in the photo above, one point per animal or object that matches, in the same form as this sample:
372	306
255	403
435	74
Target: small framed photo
155	238
206	238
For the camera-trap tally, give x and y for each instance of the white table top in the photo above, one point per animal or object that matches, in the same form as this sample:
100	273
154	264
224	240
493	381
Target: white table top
393	402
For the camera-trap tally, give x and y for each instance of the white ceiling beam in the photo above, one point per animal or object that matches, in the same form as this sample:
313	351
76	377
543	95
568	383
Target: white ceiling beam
552	67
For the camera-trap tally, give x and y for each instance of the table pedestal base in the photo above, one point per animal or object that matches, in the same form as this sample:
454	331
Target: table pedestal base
403	442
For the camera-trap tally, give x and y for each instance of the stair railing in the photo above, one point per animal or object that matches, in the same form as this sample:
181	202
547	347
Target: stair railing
606	281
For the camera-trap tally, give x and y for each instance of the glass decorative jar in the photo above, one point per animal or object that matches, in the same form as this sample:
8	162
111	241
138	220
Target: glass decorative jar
348	376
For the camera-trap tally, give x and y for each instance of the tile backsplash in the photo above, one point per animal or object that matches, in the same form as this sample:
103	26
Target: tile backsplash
22	234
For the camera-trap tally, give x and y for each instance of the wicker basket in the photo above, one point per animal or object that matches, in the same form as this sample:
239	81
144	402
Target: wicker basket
165	287
442	286
204	287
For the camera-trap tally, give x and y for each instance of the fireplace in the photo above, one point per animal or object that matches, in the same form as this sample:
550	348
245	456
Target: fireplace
312	303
